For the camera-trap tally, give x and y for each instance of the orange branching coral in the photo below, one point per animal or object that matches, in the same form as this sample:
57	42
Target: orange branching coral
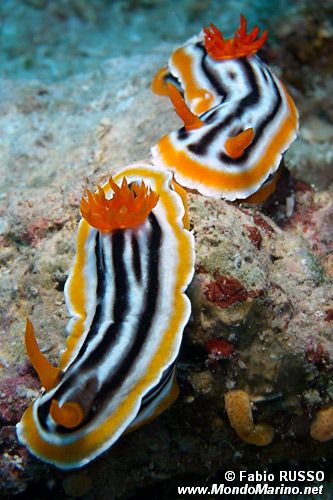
241	45
129	206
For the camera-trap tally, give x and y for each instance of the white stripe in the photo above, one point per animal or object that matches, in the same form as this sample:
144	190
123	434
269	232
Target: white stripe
90	283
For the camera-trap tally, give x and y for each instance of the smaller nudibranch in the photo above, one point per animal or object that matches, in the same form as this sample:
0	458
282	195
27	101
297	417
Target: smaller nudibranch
126	296
238	117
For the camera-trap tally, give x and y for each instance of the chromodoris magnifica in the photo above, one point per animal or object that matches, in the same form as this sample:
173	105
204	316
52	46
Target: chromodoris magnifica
238	116
125	294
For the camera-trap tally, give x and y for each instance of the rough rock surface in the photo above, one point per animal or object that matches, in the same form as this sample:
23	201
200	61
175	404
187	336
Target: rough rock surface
262	292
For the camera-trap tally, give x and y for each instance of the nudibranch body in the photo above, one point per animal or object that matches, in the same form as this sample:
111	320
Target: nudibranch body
238	116
126	297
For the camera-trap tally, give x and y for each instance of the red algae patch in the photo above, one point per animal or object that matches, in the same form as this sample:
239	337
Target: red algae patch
38	229
13	396
254	235
219	349
226	290
316	354
329	315
260	221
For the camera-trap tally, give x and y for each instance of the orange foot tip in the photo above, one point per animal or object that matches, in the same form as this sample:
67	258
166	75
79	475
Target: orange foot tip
128	207
69	415
235	146
241	45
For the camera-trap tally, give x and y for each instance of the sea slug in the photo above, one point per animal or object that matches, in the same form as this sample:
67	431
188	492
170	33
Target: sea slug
125	294
238	116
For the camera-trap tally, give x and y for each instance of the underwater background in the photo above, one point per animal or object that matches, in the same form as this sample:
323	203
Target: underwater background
53	39
76	107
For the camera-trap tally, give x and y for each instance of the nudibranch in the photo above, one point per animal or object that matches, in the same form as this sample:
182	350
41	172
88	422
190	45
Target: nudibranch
238	116
126	297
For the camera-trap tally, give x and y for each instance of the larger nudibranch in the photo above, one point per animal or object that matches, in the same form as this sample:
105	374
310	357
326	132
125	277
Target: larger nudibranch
126	297
238	116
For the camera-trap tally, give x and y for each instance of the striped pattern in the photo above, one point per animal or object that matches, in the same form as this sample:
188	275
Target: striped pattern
126	297
229	96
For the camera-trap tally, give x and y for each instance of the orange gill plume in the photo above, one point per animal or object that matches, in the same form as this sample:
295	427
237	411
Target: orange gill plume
129	206
241	45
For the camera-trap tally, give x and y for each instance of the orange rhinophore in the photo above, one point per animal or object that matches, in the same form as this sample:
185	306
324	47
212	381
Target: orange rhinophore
48	374
235	146
129	206
159	85
190	120
241	45
69	415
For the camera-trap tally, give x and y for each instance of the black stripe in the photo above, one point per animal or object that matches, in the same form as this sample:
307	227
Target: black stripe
165	376
136	261
72	376
100	293
145	321
170	78
213	76
120	274
182	134
111	335
215	81
44	407
158	388
201	147
259	129
105	347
